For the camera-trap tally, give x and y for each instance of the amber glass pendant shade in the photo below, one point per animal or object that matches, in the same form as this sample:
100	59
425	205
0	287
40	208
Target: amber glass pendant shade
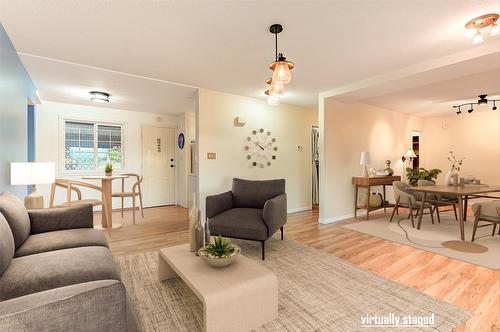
282	72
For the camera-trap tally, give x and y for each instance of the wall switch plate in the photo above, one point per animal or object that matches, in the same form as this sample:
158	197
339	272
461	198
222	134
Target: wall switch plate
211	155
300	148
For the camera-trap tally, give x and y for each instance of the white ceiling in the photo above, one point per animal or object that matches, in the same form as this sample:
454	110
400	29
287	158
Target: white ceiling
226	46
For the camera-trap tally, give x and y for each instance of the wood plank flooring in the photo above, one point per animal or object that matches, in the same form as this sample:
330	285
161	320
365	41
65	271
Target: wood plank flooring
466	285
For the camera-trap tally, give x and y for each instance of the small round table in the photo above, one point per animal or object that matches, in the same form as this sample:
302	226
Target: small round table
107	208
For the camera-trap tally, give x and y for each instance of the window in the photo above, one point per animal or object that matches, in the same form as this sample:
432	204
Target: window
90	146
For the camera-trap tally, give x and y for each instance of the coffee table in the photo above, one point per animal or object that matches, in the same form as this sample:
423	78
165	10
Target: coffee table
240	297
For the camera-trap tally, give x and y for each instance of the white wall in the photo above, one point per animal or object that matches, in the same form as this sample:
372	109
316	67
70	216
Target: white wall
15	89
49	138
474	136
290	125
347	129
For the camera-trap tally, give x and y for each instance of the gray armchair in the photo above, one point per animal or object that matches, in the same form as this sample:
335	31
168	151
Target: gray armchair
252	210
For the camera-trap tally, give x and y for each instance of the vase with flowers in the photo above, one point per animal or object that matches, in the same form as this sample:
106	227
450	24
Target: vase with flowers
452	174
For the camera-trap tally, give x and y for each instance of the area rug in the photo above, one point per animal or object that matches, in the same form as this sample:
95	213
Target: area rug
317	292
441	238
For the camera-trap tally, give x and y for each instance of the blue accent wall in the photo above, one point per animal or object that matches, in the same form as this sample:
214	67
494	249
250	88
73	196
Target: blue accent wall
16	88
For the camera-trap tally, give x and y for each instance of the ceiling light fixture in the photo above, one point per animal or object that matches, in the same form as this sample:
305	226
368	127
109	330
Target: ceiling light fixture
99	97
474	26
281	70
481	102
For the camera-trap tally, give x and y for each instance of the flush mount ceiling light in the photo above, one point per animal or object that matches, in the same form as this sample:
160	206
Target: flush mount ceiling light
481	102
474	26
99	97
281	70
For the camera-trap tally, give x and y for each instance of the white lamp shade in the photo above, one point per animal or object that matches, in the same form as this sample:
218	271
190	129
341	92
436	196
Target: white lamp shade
365	158
31	173
410	153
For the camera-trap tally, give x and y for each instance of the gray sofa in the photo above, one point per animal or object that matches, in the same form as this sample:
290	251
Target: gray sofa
57	273
252	210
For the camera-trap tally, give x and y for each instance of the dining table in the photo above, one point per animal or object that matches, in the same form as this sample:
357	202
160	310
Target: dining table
107	207
463	194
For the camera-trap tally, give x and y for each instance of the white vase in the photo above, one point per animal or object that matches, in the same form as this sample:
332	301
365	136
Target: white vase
449	178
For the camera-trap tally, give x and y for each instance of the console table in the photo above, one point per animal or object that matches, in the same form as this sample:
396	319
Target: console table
368	182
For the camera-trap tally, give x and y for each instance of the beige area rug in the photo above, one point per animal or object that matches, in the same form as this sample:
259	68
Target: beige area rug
443	238
317	292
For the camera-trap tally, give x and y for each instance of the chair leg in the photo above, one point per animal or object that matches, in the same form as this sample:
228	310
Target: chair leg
263	250
282	232
133	209
437	212
411	214
455	210
494	229
432	215
394	209
122	207
140	201
475	227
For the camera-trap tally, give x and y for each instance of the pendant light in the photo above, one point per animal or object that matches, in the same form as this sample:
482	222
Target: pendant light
280	67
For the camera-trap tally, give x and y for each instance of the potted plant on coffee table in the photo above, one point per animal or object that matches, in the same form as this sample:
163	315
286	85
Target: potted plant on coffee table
220	253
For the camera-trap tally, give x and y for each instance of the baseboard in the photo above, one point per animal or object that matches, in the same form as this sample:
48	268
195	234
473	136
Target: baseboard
340	218
300	209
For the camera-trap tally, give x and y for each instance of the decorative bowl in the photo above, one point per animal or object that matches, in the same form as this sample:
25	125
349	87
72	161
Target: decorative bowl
215	261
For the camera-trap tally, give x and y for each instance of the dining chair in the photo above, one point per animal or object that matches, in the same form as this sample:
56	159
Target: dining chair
71	187
412	201
440	200
136	191
489	212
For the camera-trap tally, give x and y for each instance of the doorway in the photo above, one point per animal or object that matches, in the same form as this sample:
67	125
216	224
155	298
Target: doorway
415	145
158	165
315	164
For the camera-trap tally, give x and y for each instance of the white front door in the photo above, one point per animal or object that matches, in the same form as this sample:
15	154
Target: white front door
158	166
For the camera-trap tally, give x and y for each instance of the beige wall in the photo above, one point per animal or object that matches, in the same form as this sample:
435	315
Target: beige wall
474	136
347	129
217	133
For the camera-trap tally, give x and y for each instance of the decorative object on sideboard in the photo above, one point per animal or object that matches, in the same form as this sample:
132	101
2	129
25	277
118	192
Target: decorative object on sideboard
193	214
365	160
32	173
261	149
220	253
481	102
409	155
388	168
375	199
473	27
108	169
281	71
456	164
415	174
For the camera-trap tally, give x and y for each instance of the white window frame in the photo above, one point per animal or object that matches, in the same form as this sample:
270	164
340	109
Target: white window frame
95	123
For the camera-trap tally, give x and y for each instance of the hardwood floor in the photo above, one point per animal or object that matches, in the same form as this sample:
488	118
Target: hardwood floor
466	285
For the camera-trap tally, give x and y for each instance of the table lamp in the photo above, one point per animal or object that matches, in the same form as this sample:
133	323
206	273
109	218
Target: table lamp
365	160
32	173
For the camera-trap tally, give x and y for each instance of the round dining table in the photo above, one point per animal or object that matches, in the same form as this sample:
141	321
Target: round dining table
107	206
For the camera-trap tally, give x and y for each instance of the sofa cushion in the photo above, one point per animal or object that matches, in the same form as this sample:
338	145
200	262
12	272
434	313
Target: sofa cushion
65	239
254	194
239	223
6	244
14	211
52	269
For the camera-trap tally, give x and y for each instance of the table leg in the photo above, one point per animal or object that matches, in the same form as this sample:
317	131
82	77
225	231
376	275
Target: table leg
385	208
355	200
368	204
164	270
461	217
466	201
107	216
421	210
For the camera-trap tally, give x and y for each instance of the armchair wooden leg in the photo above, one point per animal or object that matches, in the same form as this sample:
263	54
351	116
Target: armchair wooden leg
263	250
494	229
432	215
475	227
411	215
281	229
140	201
455	210
394	209
437	212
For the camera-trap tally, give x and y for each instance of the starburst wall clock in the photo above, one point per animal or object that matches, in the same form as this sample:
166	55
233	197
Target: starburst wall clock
261	148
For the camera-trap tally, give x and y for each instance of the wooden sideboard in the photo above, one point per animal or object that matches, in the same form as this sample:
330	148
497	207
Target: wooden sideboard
368	182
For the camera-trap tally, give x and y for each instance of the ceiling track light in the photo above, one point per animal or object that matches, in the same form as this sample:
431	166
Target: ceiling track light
474	26
480	102
99	97
281	70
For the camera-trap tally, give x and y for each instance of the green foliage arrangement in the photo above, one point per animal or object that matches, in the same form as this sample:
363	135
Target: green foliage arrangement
108	168
220	248
413	175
